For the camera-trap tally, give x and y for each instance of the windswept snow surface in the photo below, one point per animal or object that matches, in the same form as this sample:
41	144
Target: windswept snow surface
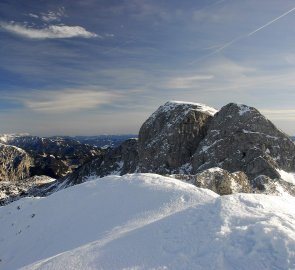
147	221
202	107
288	177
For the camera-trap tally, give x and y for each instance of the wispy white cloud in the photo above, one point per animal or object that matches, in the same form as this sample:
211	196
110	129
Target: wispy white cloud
212	13
186	81
32	15
228	78
51	16
67	100
50	32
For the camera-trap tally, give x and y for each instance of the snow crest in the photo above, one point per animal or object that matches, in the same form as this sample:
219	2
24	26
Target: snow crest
147	221
201	107
172	105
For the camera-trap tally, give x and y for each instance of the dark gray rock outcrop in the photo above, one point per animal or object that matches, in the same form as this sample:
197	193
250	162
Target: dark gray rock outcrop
15	163
118	161
241	139
170	136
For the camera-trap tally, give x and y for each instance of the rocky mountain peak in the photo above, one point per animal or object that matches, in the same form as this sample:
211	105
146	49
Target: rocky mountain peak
242	117
235	149
190	139
175	111
240	138
170	136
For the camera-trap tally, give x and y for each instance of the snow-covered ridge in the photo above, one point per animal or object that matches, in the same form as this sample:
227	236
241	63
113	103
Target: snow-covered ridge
287	176
184	108
147	221
172	105
201	107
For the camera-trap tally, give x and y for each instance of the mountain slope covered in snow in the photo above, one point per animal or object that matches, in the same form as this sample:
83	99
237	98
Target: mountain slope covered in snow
147	221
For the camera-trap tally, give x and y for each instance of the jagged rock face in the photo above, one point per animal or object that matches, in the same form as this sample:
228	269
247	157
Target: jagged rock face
117	161
15	163
241	139
170	136
120	160
219	181
50	165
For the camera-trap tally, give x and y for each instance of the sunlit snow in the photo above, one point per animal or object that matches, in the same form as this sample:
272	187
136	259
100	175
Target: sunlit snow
147	221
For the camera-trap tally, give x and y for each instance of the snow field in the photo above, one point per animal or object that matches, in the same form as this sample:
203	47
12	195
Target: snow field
147	221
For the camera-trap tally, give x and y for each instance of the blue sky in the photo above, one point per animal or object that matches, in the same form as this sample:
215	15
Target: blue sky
90	67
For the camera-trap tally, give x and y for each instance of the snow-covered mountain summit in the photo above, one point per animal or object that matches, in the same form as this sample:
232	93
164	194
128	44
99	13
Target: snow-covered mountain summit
147	221
171	134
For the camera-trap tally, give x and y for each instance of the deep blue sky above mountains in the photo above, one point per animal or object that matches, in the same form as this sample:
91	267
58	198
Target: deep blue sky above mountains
102	66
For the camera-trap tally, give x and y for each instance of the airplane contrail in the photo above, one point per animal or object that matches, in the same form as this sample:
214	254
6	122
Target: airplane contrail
272	21
242	37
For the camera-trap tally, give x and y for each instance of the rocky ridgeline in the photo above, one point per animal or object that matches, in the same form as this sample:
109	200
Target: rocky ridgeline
233	150
55	156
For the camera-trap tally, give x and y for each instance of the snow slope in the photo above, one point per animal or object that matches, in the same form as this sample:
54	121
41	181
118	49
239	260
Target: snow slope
288	177
147	221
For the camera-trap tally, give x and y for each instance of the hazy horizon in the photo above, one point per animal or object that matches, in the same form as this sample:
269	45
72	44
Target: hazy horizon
91	67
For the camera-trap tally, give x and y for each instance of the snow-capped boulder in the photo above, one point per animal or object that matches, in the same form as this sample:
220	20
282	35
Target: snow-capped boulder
170	136
219	181
15	163
223	182
241	139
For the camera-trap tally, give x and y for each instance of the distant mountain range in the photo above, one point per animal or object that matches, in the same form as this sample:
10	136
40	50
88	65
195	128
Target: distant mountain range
104	141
